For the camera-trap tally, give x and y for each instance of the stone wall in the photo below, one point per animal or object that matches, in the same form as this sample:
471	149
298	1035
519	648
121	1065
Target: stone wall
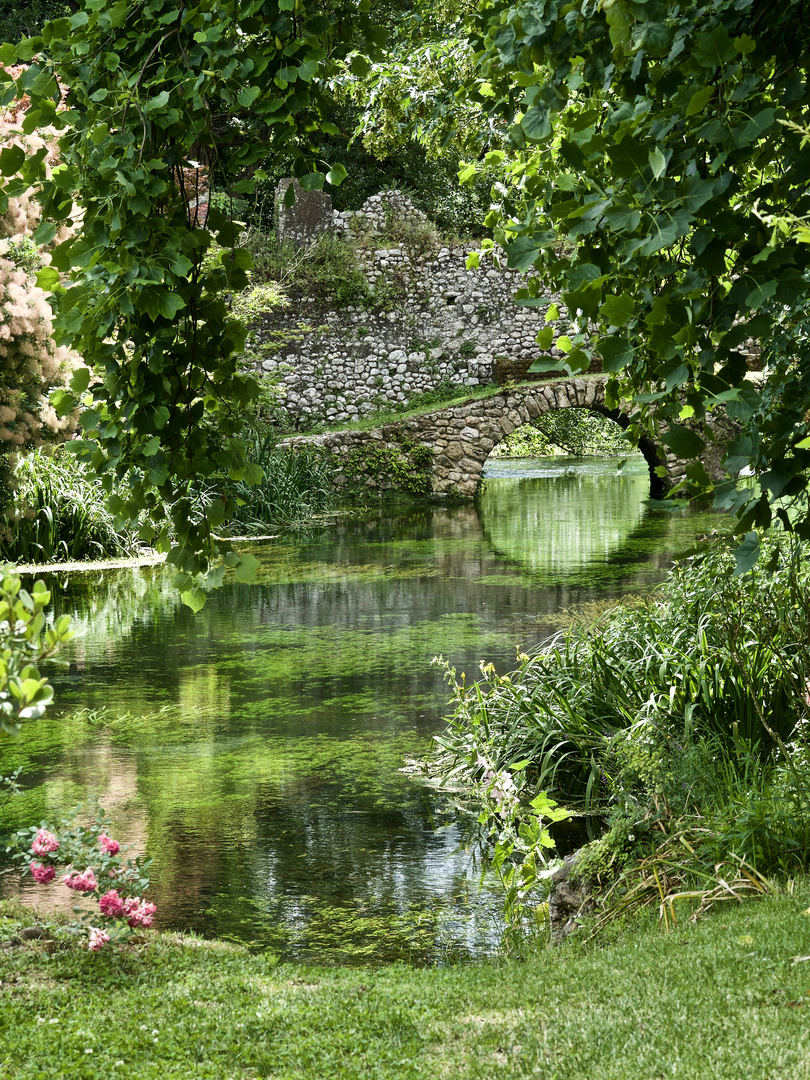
428	322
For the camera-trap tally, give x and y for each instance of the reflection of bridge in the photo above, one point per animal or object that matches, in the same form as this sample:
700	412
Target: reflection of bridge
444	452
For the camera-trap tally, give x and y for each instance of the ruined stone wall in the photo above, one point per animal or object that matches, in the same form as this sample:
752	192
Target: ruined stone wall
428	322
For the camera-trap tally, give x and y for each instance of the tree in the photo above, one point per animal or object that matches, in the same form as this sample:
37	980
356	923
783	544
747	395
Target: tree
161	98
649	145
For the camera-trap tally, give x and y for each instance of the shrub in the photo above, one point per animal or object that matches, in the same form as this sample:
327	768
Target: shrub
31	365
295	487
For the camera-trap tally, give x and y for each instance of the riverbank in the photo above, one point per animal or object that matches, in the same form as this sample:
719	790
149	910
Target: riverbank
727	998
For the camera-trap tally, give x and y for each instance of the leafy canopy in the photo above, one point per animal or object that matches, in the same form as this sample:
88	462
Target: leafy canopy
163	98
650	142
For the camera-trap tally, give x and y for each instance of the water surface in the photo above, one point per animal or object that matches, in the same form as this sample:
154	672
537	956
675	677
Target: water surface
255	749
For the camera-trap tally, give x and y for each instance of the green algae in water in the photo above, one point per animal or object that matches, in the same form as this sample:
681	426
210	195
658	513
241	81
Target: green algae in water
254	749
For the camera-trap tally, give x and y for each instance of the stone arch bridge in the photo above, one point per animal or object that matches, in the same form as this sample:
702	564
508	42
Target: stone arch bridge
442	453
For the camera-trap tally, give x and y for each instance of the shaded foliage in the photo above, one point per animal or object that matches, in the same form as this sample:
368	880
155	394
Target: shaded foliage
646	146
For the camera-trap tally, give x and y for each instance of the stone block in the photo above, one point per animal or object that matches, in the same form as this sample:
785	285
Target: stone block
309	217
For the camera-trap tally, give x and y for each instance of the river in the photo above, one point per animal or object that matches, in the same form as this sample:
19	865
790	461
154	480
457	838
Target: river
255	749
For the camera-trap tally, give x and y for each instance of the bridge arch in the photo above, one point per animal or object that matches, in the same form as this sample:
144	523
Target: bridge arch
474	430
646	447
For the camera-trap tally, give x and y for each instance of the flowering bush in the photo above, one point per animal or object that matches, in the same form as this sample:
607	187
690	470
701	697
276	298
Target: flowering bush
31	364
92	860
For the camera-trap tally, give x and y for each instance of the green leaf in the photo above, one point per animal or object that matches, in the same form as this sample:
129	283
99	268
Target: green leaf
312	181
746	554
47	278
536	124
336	175
28	48
713	48
683	441
308	70
616	352
618	310
658	163
12	158
44	233
545	363
359	66
193	598
63	402
80	380
159	101
522	253
248	95
545	337
699	100
168	303
763	291
619	22
246	568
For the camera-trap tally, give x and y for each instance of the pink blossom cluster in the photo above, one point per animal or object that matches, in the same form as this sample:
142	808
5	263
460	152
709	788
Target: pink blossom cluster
81	882
139	912
111	904
42	874
108	845
136	911
44	843
98	938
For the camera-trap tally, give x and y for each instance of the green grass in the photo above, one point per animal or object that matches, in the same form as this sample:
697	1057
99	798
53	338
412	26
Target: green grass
723	999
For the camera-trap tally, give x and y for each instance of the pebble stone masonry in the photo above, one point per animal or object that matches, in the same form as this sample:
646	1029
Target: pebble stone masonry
444	324
461	438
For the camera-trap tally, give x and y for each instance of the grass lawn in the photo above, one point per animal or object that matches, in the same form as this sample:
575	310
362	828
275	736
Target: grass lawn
725	998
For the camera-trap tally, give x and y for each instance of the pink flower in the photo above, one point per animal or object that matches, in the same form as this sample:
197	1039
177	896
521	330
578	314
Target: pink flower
42	874
140	912
112	847
84	882
111	904
98	938
44	842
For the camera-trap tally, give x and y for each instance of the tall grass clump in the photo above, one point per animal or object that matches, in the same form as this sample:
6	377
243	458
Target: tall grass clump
296	487
59	513
684	717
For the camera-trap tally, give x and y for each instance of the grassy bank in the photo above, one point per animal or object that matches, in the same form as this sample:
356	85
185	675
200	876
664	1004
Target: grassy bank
725	998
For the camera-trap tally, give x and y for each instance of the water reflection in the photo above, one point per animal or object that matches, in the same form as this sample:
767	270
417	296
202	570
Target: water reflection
254	748
562	516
